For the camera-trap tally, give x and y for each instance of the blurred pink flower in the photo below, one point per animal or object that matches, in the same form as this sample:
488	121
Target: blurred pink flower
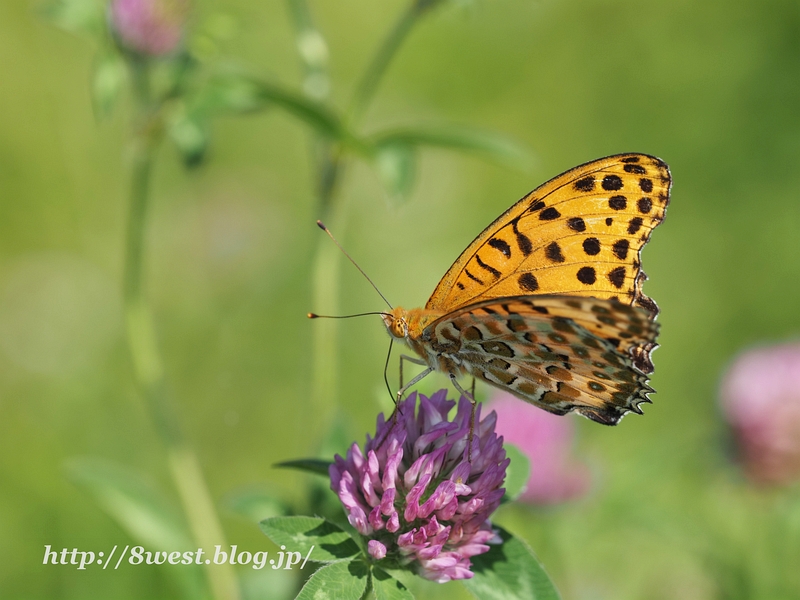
760	398
546	440
152	27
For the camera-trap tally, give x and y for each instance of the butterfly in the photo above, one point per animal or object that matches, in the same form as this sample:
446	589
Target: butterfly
546	302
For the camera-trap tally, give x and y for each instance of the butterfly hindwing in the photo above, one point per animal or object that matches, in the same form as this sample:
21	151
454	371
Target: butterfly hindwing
560	353
578	234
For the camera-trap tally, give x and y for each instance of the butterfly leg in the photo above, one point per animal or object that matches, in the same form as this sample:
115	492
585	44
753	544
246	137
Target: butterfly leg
411	359
471	398
413	382
462	391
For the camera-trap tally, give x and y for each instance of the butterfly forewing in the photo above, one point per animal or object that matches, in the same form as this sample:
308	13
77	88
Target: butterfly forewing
578	234
560	353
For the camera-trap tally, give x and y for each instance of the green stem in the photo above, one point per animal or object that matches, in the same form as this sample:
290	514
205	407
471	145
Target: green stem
325	300
384	56
329	174
147	364
331	170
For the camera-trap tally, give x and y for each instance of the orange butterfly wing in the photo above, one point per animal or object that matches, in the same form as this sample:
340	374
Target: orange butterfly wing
578	234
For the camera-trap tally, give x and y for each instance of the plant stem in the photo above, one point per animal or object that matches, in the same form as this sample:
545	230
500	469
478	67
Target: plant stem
325	300
383	57
147	364
331	162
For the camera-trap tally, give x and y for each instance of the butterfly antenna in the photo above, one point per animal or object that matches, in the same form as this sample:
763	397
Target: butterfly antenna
321	225
316	316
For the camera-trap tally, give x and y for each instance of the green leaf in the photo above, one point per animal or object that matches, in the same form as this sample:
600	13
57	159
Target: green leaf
342	580
330	542
387	587
77	16
108	80
396	164
141	511
496	146
256	504
309	465
517	473
510	571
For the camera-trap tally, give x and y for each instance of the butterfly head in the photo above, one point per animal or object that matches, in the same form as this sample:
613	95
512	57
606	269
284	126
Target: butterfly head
396	322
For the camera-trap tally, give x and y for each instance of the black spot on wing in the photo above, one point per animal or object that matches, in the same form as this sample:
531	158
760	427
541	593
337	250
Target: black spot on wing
618	202
528	282
587	275
612	183
620	249
523	242
617	277
576	224
501	245
553	252
471	276
549	214
537	206
591	246
489	268
635	169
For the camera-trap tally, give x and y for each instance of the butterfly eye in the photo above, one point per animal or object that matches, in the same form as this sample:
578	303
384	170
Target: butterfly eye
399	328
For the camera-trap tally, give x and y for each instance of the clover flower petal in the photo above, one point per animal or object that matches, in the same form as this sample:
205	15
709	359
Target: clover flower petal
418	494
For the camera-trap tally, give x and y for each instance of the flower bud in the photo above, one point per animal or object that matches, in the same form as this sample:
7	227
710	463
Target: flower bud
149	27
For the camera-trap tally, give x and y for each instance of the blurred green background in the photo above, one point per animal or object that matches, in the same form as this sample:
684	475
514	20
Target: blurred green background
713	88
